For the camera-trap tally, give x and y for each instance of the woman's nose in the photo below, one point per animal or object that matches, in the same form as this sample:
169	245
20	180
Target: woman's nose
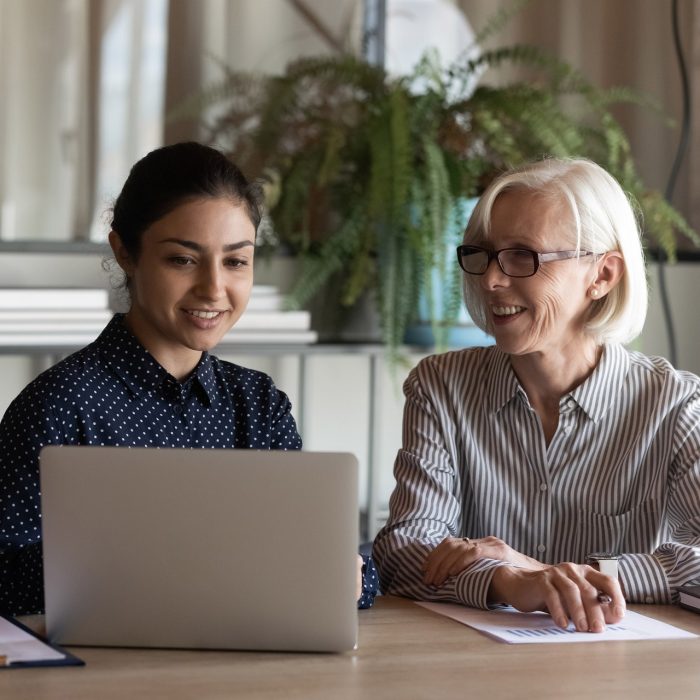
210	282
493	276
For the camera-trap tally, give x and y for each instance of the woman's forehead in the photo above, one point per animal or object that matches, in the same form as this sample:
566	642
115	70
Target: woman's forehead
528	214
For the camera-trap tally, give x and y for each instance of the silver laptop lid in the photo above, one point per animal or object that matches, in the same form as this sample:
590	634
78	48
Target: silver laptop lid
208	548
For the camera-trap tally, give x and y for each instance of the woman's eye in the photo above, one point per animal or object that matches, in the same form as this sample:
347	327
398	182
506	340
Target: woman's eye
181	260
521	254
236	262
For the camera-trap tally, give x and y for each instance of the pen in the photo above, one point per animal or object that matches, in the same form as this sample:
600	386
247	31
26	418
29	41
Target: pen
604	599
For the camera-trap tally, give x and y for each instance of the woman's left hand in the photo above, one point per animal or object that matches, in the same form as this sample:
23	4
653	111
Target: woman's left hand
455	554
567	591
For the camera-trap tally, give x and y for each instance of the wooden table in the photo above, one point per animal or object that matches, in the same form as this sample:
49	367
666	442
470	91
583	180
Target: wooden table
405	652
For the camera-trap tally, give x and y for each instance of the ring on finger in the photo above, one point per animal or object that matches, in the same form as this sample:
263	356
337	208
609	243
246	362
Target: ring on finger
466	539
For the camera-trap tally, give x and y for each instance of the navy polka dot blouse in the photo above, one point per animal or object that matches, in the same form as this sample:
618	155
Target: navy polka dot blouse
113	392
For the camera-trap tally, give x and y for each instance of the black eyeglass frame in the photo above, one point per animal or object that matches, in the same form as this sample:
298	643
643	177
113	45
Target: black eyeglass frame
537	258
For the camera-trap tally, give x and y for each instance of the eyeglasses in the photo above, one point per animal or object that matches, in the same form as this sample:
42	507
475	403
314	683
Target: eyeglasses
514	262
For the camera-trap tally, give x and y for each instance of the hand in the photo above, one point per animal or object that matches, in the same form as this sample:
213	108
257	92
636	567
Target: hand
455	554
358	587
566	591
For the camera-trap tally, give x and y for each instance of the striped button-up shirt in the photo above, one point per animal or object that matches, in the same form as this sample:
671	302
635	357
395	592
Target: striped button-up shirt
621	473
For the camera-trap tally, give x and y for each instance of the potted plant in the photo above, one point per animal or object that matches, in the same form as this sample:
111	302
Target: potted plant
367	174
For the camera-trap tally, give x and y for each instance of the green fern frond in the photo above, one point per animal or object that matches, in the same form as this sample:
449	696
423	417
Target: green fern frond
318	267
291	214
380	191
524	56
662	222
361	277
332	159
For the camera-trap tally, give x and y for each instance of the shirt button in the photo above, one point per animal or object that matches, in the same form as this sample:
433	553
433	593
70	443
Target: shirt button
648	600
541	548
177	408
567	430
543	487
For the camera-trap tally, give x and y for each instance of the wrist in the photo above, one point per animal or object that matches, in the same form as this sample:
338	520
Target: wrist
605	562
501	582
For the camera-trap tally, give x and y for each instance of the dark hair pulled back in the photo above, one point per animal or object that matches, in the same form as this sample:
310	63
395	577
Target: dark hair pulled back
172	175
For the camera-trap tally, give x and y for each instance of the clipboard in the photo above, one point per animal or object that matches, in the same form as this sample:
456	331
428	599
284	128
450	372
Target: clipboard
23	648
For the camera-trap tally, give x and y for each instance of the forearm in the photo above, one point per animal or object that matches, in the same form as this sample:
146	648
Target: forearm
400	562
654	578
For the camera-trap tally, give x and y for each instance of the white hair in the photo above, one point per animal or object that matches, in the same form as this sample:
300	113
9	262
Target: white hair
603	219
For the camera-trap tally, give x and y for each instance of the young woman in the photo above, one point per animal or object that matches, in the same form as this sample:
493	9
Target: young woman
183	232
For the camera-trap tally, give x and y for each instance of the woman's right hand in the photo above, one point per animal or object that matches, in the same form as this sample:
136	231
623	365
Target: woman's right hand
566	591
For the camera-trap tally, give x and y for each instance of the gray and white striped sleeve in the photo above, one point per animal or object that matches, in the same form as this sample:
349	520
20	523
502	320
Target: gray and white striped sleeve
654	577
425	506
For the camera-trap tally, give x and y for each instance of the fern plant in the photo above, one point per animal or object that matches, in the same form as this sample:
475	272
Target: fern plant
365	173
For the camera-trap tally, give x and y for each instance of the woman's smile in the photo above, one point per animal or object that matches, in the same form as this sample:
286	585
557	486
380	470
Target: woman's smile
504	314
205	320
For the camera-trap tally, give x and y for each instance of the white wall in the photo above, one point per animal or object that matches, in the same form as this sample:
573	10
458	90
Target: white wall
683	283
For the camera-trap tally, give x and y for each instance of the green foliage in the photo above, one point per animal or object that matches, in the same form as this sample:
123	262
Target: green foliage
369	171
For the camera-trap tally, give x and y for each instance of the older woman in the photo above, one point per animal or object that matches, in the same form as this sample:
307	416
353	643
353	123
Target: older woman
522	461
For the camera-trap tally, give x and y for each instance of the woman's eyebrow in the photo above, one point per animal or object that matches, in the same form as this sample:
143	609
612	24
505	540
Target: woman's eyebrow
192	245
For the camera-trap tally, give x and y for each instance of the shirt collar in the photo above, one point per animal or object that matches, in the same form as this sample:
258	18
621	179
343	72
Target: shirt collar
595	396
600	391
501	383
139	370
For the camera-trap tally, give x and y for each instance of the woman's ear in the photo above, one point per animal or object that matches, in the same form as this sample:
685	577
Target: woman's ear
609	271
121	255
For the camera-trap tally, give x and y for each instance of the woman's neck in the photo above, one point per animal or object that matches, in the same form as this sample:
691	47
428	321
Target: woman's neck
547	377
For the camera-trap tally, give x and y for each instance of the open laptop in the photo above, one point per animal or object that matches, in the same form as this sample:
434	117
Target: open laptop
200	548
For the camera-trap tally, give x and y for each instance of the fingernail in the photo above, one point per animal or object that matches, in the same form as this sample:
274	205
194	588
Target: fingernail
582	625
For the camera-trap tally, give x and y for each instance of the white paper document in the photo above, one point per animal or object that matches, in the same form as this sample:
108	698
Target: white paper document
17	645
509	625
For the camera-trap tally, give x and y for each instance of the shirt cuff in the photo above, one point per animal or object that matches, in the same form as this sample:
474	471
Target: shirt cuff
643	578
370	583
472	585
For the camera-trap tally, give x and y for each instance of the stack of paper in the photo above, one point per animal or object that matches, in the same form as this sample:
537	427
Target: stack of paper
52	317
75	317
266	321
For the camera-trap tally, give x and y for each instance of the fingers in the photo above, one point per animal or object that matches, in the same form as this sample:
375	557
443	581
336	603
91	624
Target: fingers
573	592
579	598
613	609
